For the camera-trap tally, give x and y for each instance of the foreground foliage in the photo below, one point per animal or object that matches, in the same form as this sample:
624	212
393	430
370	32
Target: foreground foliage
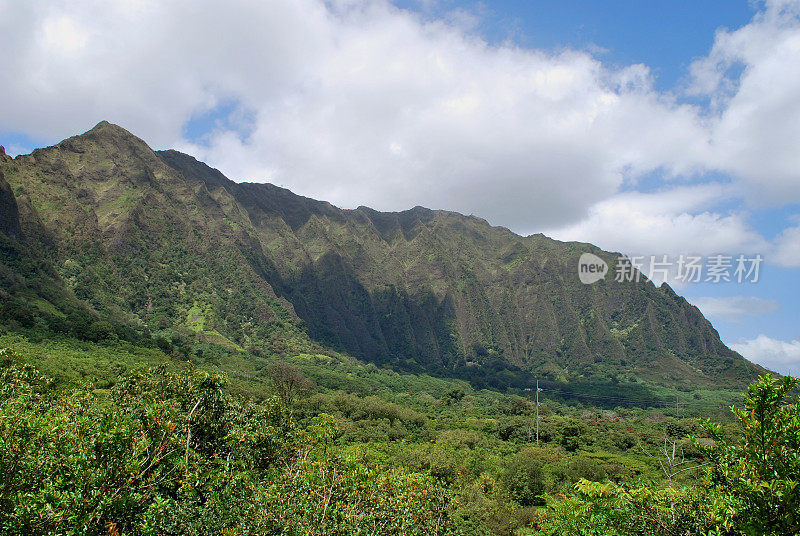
751	487
167	453
347	448
756	479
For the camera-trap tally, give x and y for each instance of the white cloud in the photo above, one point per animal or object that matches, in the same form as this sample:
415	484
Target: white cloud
358	102
774	354
355	102
755	132
734	308
666	223
61	36
787	250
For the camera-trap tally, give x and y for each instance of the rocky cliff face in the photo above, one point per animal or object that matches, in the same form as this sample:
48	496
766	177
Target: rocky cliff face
9	215
32	293
165	241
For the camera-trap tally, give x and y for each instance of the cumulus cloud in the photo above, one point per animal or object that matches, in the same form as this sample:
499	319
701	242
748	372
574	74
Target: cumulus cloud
774	354
406	112
355	102
359	102
734	308
752	78
668	222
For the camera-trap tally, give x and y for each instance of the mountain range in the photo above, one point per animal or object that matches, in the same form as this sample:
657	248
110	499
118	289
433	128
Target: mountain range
104	238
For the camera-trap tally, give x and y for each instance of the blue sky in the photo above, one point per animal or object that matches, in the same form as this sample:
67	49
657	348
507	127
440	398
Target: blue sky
649	128
666	35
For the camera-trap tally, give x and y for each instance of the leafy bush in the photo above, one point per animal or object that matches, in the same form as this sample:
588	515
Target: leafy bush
756	478
170	453
752	481
524	479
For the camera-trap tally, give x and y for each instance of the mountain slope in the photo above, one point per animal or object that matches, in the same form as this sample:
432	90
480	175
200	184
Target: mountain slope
9	213
166	243
141	244
32	294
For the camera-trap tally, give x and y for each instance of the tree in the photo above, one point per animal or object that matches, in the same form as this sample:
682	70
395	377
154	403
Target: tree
673	462
756	478
289	382
173	453
524	479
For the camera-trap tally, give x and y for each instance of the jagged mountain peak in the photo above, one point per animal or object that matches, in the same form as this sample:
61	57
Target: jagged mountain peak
107	135
171	242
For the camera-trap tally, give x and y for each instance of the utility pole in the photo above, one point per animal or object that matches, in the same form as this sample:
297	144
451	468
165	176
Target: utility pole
677	409
537	412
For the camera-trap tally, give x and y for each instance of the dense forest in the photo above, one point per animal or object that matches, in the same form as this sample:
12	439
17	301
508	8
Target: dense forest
121	439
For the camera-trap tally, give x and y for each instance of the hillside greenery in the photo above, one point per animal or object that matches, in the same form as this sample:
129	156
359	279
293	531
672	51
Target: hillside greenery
181	354
121	439
114	240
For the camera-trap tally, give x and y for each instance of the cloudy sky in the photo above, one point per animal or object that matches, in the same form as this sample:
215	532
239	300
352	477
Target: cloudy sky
650	128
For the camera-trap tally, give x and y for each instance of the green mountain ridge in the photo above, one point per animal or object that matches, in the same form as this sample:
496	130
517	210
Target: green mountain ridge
167	246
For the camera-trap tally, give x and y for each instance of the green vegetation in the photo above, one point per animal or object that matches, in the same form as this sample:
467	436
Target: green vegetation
177	449
181	354
751	484
105	238
166	453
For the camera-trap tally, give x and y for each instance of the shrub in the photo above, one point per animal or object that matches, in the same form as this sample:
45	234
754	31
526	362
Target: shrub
524	479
